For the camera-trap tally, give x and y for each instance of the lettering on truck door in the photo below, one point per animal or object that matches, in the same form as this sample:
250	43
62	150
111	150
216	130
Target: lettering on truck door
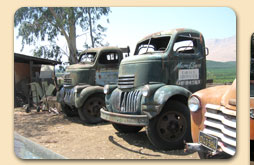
188	61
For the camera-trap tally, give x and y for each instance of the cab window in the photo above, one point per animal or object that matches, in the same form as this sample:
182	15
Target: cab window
109	58
186	45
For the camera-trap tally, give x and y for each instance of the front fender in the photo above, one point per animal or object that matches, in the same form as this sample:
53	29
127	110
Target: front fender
153	105
60	95
81	97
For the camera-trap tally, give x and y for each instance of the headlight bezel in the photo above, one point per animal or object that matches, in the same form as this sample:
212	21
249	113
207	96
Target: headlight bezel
145	91
252	113
194	103
108	88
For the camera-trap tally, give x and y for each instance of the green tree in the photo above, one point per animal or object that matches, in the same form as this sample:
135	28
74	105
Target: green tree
36	24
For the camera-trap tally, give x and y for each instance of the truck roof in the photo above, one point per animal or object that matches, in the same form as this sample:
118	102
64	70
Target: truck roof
169	32
100	49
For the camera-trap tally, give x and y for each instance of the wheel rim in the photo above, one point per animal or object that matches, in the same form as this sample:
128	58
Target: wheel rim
93	107
171	126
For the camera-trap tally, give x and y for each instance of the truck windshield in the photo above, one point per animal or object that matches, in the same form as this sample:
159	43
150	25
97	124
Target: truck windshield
88	57
158	44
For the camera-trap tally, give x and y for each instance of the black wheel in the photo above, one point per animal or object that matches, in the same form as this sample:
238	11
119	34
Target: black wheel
251	150
126	128
28	109
68	111
38	109
171	128
90	111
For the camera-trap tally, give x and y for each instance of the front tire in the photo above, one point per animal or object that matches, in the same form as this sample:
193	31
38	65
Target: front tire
126	128
171	128
68	111
90	111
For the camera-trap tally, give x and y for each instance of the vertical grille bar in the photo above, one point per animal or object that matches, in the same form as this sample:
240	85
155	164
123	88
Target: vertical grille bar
129	102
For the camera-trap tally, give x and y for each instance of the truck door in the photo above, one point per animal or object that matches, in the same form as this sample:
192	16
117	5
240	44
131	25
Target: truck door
188	64
107	69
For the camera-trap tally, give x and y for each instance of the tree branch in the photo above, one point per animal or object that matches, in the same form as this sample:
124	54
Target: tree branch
61	28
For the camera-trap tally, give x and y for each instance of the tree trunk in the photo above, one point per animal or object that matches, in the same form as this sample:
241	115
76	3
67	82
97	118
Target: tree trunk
72	42
71	37
91	27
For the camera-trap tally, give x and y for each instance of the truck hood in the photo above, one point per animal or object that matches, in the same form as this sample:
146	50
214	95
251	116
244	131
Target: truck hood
80	73
142	69
229	98
142	58
224	95
79	66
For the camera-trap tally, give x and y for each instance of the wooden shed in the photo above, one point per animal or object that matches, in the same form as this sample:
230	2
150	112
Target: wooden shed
27	70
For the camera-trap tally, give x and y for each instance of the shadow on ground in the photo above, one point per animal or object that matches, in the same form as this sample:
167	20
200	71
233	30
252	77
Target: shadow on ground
140	140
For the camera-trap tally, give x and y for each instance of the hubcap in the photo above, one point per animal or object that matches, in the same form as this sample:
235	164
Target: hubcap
94	107
171	126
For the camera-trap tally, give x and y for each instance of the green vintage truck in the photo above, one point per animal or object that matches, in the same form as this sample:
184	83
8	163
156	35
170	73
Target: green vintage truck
82	93
154	85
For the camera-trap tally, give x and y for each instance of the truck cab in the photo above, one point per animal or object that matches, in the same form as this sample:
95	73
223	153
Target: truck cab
82	93
154	85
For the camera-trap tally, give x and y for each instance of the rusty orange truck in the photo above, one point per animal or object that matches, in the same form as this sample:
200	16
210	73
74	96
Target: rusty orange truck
213	121
252	100
252	120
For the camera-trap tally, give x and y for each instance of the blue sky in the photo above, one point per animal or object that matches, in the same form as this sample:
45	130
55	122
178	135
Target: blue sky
130	24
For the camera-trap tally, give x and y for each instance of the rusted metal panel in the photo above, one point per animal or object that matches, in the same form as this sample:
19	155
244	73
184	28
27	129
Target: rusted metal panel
106	76
217	116
252	119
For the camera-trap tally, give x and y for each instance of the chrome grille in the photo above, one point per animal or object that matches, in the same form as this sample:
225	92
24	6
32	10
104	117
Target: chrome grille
126	81
67	81
221	123
130	101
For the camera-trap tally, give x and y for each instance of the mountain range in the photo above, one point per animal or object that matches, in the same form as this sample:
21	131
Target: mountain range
222	49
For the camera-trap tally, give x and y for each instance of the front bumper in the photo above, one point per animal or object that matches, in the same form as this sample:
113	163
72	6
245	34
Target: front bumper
206	153
126	119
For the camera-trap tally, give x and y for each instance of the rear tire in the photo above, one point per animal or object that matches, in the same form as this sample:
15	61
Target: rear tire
126	128
90	111
171	128
68	111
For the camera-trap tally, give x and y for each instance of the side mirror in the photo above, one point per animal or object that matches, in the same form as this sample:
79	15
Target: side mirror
206	51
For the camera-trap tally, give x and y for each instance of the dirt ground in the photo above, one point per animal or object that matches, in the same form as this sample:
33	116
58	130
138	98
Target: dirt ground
71	139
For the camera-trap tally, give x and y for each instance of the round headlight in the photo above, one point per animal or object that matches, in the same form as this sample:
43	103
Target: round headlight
145	91
252	113
106	89
194	104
